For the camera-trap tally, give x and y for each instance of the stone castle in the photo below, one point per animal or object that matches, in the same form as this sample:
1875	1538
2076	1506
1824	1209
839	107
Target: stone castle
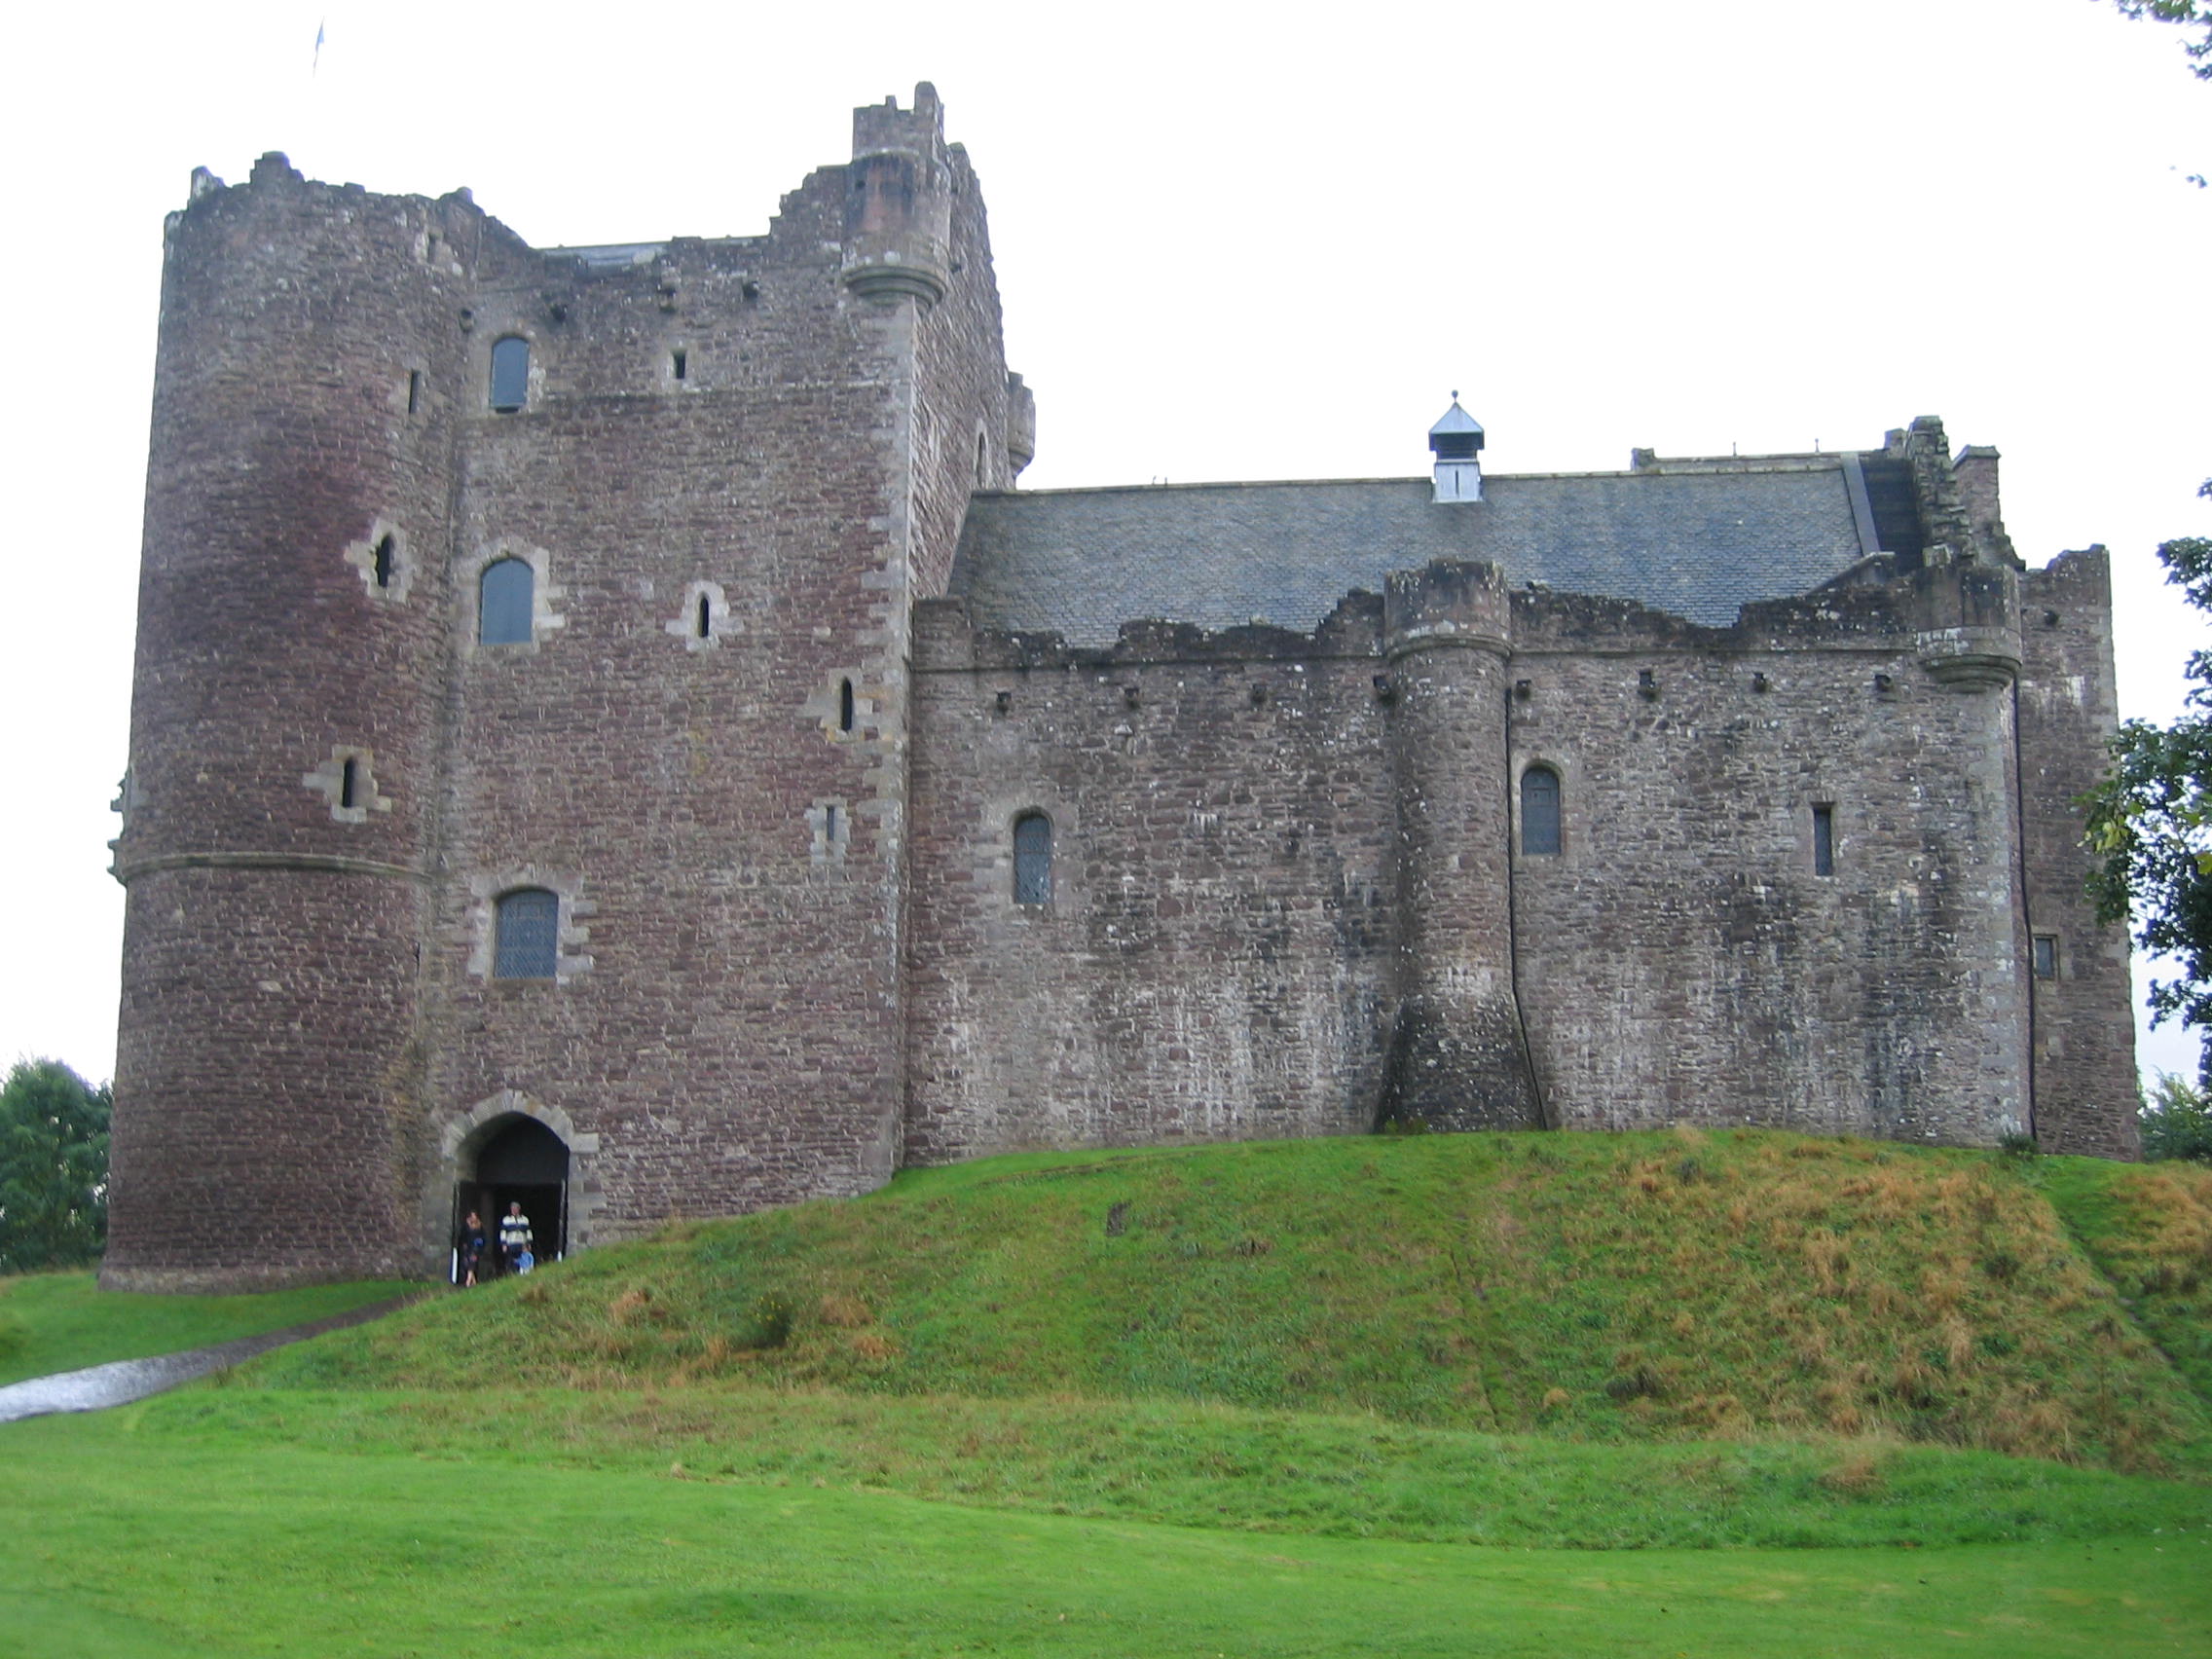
610	733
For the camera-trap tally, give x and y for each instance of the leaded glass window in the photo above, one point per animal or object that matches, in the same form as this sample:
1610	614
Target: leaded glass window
1033	858
528	934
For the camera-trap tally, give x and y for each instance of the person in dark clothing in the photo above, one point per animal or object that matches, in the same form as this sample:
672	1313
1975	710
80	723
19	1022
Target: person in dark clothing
471	1250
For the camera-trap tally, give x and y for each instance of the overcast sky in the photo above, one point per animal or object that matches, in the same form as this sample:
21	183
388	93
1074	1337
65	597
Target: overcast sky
1231	244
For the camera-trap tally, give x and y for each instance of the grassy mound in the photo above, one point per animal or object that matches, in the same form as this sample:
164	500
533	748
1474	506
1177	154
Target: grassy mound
1674	1285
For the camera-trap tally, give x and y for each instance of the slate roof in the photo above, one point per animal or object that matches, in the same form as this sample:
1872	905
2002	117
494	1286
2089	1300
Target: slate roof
1698	544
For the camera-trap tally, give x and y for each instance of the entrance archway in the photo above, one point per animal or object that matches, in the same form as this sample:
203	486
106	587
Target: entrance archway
514	1160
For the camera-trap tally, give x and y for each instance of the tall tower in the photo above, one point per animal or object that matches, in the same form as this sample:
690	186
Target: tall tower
519	754
279	804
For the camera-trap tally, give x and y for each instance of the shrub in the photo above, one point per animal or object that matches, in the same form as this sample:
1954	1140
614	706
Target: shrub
2177	1120
771	1321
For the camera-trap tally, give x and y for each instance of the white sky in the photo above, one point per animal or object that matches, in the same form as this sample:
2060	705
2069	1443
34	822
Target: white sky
1233	242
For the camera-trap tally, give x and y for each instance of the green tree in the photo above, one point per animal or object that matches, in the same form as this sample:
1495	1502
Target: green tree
2194	14
2177	1120
53	1168
2149	821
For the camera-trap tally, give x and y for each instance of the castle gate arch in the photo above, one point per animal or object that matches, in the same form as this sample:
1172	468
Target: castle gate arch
513	1157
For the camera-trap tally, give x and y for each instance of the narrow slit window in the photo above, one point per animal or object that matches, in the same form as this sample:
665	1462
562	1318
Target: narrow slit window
528	934
505	594
1033	858
845	705
383	561
982	458
348	776
1824	839
510	374
706	617
2046	956
1540	812
677	362
829	825
414	392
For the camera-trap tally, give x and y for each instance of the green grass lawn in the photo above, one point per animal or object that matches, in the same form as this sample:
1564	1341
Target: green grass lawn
64	1321
1664	1394
122	1541
1223	1466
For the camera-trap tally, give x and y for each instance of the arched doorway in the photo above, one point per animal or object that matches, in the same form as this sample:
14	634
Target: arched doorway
515	1160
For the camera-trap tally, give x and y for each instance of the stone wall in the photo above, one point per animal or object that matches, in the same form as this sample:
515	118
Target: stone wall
1680	958
1215	961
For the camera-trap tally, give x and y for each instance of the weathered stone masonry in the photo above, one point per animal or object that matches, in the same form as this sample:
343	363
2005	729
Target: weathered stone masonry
798	658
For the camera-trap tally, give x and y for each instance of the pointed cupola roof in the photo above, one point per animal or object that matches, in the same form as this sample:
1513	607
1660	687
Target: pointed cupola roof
1458	435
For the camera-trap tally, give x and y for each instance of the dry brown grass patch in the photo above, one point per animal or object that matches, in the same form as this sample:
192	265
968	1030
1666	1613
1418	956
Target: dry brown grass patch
1828	1256
1857	1474
845	1312
633	1305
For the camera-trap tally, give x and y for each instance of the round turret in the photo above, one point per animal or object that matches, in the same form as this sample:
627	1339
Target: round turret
284	764
1459	1060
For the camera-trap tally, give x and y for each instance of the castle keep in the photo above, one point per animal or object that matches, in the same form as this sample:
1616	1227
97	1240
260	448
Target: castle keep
609	731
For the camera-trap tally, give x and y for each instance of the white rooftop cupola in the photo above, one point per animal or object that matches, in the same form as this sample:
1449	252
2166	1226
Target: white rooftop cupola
1457	441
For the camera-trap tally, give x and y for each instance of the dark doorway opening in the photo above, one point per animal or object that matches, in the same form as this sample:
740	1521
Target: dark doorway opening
521	1162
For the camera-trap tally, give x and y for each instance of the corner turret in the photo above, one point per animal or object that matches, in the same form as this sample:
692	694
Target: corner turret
898	203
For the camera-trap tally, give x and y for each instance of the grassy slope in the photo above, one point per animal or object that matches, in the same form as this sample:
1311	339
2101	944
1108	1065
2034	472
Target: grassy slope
124	1544
1610	1287
62	1321
2149	1228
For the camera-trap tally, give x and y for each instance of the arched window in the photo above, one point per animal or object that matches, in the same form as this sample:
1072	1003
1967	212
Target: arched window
528	934
1540	812
504	596
983	459
706	617
1033	858
845	706
510	374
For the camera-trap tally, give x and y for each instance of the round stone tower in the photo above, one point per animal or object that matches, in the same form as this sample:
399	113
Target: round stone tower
277	811
1459	1060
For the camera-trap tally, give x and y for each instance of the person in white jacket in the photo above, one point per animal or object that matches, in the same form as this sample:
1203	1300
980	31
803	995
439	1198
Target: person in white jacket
514	1239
